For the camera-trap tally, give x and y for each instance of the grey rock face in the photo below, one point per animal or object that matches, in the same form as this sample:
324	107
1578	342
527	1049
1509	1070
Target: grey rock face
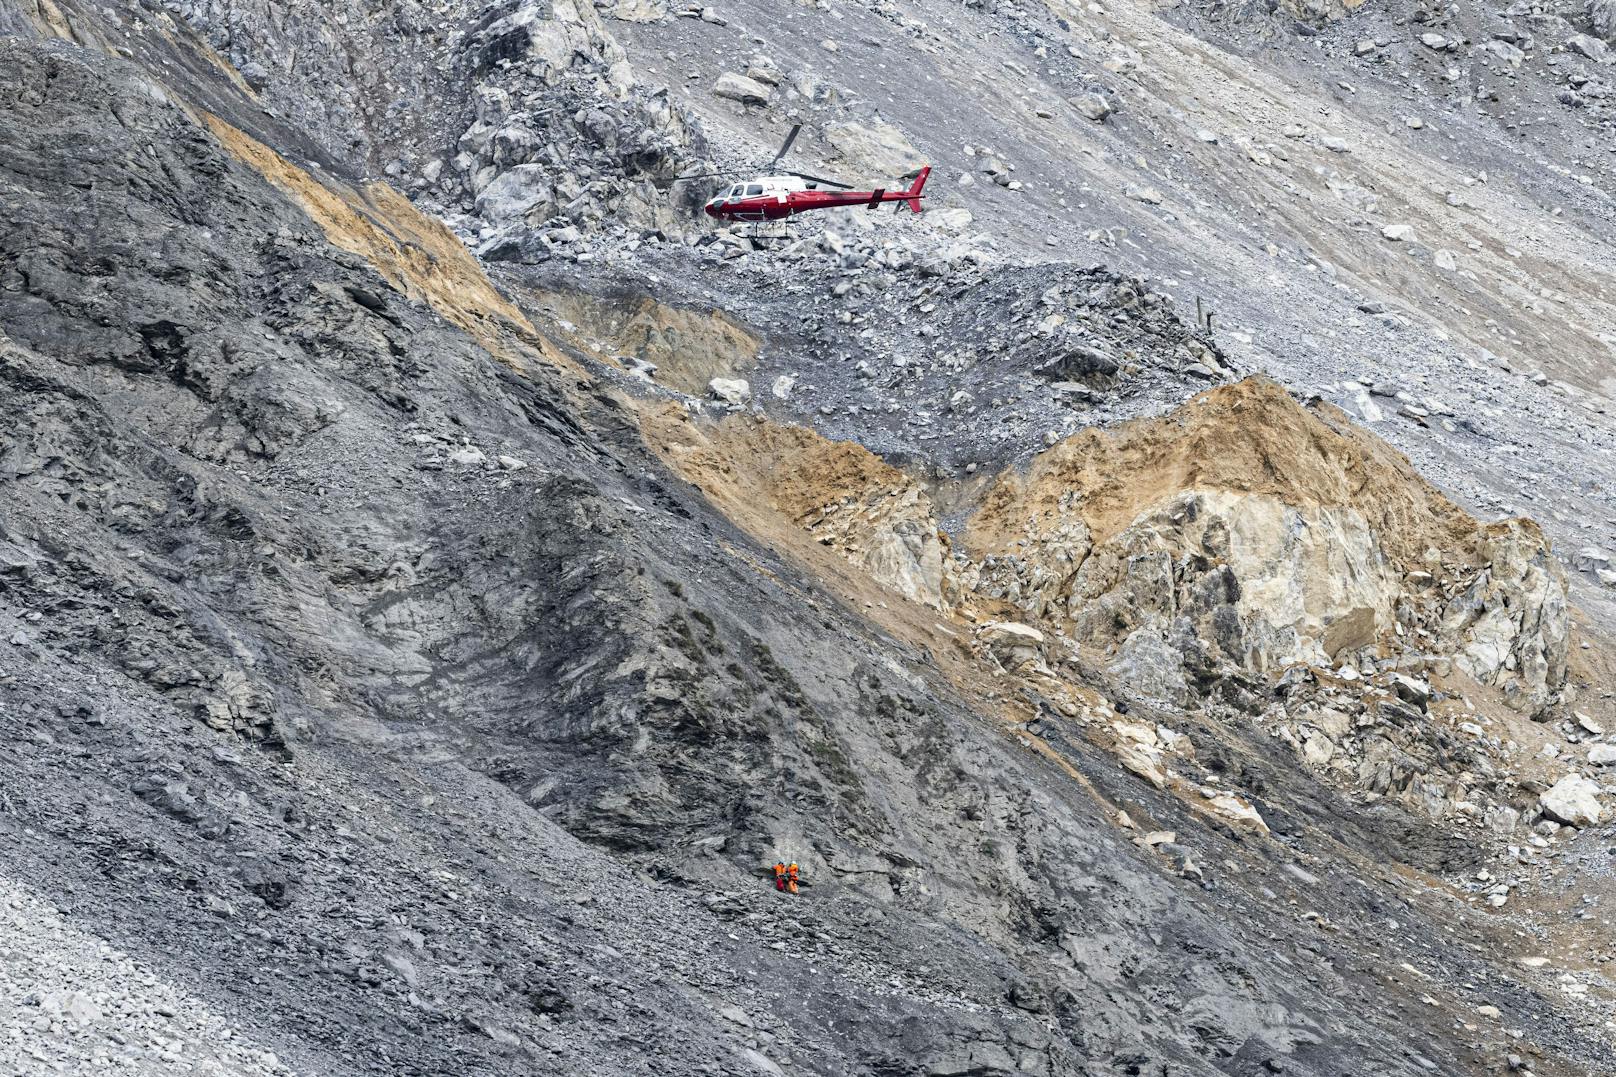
493	91
1602	14
413	760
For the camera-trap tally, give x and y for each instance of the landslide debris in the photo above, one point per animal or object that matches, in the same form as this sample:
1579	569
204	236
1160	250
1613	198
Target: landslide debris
416	254
675	347
377	688
1244	554
1322	540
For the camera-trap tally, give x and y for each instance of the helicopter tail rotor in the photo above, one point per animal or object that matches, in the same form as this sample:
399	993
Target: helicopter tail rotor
911	197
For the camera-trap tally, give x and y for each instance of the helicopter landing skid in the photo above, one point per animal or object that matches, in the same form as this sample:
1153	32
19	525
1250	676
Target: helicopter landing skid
768	232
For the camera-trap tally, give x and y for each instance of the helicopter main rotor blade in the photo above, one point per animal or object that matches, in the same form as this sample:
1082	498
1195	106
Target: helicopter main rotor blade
708	175
822	179
792	137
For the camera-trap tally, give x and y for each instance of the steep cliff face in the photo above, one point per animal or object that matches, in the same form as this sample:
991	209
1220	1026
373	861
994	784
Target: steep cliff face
1273	535
408	671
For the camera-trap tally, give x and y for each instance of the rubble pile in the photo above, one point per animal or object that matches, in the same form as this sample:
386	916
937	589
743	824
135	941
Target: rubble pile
438	566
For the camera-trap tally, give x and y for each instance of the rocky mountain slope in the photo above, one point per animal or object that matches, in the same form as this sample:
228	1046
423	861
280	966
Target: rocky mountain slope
440	571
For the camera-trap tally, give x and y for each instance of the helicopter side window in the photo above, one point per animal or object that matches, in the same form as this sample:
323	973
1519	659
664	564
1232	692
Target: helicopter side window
754	188
735	191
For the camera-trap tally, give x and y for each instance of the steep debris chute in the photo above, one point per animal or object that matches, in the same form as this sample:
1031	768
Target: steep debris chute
416	254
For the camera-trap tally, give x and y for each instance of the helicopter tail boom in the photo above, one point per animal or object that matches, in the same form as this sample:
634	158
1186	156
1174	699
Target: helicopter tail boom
912	195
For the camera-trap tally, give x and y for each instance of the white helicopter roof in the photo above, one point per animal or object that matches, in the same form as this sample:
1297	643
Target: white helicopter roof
762	185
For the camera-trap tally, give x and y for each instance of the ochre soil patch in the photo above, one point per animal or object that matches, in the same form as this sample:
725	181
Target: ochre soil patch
1248	438
416	254
689	347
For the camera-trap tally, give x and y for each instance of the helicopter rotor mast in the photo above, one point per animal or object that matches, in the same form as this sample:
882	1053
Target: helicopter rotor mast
771	167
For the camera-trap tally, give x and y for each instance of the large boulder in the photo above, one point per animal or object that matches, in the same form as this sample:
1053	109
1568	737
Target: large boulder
1014	646
734	392
1602	15
877	148
1573	800
1592	48
733	87
1249	533
911	556
638	11
1093	106
890	531
1590	559
1069	359
1237	580
521	194
1510	627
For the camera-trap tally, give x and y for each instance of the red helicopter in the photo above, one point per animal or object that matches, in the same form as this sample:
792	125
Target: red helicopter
787	193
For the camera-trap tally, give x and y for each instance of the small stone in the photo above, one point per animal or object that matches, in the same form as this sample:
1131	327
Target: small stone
1093	106
1602	755
1301	874
1398	233
1411	689
732	391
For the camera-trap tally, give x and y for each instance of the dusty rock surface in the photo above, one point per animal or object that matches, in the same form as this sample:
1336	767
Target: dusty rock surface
439	571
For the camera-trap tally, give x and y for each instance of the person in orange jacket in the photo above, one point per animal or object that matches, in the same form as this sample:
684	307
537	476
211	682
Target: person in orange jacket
779	876
791	878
